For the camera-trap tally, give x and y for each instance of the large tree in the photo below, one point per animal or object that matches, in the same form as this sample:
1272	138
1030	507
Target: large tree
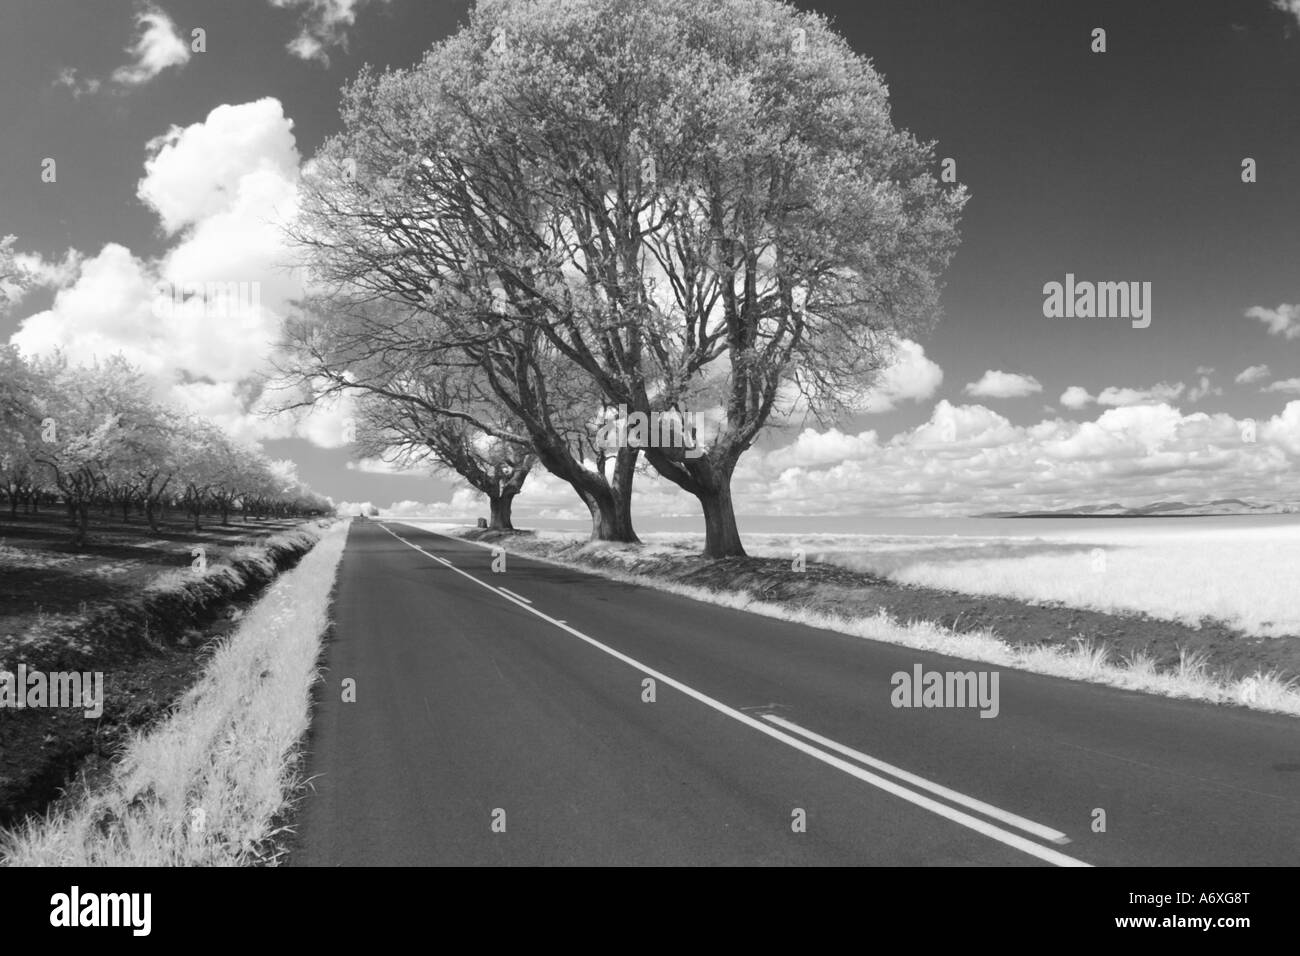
690	203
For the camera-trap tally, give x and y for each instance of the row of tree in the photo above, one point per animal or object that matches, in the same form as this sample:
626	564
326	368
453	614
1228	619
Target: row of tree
576	205
86	436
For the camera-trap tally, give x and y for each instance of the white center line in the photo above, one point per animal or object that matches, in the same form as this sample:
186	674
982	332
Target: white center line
982	827
970	803
514	595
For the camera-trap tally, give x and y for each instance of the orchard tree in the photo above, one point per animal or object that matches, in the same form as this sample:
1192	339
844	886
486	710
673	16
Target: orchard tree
204	455
91	419
20	477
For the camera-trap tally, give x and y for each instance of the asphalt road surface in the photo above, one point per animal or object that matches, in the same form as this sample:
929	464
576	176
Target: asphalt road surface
504	718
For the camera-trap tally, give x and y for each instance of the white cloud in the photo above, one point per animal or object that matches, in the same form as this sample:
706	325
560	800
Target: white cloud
1202	389
910	377
999	384
69	79
158	48
238	152
1076	397
1289	6
39	272
1253	374
324	24
1164	392
1290	385
378	466
967	459
1283	321
221	188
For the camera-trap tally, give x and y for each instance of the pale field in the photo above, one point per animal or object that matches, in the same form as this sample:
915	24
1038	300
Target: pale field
1179	570
1247	578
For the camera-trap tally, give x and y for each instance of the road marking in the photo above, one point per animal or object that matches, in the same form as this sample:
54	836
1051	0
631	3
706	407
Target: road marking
970	803
514	595
982	827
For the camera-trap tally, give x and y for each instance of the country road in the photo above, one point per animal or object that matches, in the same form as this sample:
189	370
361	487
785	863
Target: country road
501	718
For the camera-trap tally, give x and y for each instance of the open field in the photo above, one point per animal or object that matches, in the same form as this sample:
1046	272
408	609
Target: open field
49	587
1244	578
206	785
131	605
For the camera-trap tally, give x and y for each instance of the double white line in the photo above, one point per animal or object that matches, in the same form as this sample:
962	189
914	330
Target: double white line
785	731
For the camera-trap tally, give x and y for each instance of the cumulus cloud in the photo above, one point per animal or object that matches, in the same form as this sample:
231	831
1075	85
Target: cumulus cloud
911	377
202	318
1290	386
1164	392
323	24
998	384
1283	321
967	459
238	155
1076	397
1253	374
159	47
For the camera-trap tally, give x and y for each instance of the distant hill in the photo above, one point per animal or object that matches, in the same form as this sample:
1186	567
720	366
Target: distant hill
1159	509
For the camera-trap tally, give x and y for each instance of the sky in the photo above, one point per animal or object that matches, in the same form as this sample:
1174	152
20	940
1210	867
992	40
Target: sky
176	164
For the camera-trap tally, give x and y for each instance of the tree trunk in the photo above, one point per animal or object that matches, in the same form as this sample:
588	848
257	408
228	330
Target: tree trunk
621	486
82	512
151	515
721	535
610	519
709	481
499	507
126	509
